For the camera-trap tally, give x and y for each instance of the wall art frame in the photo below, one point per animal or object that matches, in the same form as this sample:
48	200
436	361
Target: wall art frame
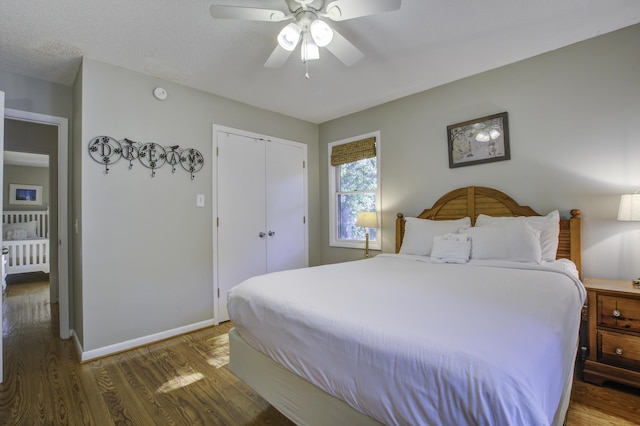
478	141
30	195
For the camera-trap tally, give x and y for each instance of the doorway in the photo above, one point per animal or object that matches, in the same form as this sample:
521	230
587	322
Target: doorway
31	185
59	242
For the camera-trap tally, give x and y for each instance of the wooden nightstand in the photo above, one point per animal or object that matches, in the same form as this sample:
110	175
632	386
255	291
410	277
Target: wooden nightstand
613	310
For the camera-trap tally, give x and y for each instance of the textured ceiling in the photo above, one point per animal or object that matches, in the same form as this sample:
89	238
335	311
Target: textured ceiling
424	44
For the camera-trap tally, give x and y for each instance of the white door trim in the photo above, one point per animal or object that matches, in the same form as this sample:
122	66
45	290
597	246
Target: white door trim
63	199
1	269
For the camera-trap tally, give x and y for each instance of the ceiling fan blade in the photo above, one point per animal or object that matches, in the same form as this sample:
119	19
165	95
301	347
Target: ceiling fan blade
247	13
341	10
277	58
344	50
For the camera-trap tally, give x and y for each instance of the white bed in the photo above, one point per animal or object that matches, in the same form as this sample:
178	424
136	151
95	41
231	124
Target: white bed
398	339
25	235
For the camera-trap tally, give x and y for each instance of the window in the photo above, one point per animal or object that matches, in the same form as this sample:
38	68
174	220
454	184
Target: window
354	186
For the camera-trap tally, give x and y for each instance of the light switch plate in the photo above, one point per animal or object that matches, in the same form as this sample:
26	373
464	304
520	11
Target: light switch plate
200	200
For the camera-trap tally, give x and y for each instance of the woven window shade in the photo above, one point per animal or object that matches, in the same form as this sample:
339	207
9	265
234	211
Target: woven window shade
353	151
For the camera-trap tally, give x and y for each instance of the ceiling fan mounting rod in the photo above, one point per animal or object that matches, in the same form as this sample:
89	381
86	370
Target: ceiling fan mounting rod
304	3
305	17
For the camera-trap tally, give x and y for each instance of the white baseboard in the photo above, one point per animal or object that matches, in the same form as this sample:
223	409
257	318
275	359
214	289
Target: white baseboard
140	341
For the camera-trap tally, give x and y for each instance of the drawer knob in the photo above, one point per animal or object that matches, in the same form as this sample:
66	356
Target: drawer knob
616	313
618	351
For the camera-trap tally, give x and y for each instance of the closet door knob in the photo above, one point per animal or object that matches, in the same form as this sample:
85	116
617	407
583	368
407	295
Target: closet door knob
272	233
261	234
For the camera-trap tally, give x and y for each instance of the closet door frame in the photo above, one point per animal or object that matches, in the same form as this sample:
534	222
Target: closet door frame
214	203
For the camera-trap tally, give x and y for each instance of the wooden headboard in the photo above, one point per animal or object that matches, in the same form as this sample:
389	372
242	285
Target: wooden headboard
474	200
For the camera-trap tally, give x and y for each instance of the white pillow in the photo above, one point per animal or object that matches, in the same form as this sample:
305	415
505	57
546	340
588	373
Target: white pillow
549	227
419	233
17	234
30	227
513	240
451	248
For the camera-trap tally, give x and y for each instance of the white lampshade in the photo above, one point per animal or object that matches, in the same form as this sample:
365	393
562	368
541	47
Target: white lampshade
321	33
629	207
289	36
367	220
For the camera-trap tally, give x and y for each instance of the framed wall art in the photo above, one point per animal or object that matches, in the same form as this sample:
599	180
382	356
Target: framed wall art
25	194
482	140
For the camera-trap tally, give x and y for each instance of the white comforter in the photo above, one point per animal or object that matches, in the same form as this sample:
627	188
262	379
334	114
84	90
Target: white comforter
409	342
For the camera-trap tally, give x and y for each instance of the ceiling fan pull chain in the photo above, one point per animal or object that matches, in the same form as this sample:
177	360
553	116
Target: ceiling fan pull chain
306	67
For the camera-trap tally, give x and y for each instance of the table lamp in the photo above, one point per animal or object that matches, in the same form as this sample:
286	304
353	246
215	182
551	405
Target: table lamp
367	220
629	210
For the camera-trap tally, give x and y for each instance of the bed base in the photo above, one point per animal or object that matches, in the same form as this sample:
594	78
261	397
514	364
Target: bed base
306	404
299	400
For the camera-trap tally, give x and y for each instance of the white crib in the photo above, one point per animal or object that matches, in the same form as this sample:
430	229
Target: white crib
30	255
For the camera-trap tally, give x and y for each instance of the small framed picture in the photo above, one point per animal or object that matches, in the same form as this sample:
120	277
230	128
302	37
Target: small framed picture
25	194
482	140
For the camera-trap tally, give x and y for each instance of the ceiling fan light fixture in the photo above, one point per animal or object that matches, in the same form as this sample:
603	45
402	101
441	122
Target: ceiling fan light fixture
321	33
289	37
309	50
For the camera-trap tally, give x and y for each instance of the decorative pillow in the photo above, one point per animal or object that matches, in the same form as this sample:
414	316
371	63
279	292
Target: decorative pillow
419	233
549	227
513	240
451	248
17	234
30	227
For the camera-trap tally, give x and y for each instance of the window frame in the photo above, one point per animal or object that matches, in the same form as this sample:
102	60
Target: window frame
333	207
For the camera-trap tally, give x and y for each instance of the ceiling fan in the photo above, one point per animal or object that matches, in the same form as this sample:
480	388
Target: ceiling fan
308	29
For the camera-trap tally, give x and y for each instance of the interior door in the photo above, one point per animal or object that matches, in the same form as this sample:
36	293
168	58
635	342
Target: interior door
285	211
1	198
241	220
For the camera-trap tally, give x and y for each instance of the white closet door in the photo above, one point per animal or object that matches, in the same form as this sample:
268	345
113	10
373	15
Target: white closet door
241	205
286	241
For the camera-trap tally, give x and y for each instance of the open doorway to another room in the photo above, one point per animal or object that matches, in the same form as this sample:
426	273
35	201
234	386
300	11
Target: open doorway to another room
30	219
25	217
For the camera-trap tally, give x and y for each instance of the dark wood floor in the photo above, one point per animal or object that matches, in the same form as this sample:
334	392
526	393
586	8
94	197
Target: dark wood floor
181	381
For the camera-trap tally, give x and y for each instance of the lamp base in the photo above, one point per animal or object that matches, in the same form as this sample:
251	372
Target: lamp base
366	244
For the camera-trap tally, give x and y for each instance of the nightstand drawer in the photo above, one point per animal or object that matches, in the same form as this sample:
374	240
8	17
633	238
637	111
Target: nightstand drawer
619	312
619	349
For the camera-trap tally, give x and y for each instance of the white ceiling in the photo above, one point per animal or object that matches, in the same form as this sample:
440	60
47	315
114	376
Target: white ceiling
424	44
